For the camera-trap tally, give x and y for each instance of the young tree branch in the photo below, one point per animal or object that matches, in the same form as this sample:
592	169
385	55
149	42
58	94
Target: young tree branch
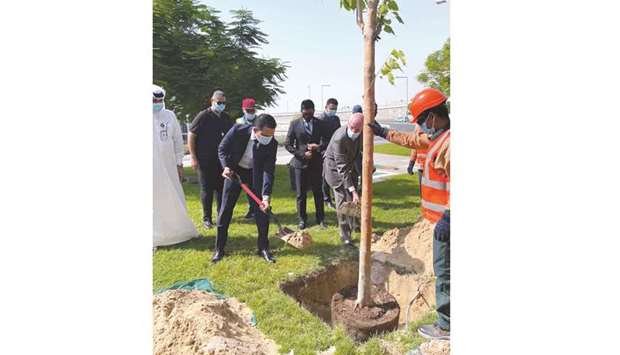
359	18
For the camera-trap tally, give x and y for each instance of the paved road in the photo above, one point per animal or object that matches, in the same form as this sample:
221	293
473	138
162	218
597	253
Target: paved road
387	164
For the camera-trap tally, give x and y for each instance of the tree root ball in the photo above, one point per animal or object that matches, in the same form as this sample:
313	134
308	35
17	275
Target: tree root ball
360	324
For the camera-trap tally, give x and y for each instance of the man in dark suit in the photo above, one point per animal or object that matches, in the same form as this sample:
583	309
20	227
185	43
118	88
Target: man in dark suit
246	149
205	135
306	141
331	123
341	168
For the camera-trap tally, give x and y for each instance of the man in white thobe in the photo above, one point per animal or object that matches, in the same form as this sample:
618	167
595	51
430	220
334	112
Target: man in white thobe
171	224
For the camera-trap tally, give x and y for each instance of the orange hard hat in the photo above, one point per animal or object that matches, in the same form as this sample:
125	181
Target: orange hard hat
425	99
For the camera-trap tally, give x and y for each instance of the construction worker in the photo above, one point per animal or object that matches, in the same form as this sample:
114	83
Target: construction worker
429	110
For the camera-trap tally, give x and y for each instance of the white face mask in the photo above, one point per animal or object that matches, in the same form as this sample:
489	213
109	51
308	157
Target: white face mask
218	107
352	134
250	117
264	140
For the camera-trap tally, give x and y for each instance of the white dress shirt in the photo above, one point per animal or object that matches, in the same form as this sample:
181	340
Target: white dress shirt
248	155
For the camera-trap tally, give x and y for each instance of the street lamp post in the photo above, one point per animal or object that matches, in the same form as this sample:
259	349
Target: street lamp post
322	86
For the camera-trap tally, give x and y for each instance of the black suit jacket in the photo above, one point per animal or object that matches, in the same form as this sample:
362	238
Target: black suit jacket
231	151
297	141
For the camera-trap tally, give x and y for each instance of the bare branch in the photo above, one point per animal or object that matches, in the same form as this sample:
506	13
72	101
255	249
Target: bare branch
359	15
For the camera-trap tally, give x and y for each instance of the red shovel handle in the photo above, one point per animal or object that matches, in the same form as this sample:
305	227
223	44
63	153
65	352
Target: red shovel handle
248	191
257	200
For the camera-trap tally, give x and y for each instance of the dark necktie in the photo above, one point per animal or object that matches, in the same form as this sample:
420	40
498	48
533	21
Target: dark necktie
307	128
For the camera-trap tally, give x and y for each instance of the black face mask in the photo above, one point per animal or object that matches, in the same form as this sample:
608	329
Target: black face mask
307	116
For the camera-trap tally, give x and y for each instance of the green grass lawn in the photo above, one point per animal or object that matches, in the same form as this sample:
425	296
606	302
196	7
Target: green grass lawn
252	280
391	148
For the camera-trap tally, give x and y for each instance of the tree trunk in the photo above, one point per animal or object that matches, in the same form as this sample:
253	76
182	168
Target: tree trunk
370	25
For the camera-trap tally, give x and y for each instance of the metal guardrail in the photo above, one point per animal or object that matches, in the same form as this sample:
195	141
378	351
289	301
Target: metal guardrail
385	114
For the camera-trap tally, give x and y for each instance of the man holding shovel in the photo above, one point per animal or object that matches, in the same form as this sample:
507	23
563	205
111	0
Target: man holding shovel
248	154
342	166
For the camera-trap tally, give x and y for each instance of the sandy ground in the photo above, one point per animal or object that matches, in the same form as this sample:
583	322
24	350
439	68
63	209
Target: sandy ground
403	263
435	347
196	322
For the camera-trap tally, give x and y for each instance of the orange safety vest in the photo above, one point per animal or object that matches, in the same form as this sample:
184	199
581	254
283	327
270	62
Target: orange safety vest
435	186
420	158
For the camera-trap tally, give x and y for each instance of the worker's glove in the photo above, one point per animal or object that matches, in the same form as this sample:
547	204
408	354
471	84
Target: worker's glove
378	130
410	167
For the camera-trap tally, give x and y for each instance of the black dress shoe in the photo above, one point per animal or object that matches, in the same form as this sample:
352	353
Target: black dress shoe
217	256
249	215
349	243
322	224
267	256
302	225
330	204
207	224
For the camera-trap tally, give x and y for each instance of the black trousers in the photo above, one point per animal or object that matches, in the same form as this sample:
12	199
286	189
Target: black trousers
326	191
211	182
232	189
310	178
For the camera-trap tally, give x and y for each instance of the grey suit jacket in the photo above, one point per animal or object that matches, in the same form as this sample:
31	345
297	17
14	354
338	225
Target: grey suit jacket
342	162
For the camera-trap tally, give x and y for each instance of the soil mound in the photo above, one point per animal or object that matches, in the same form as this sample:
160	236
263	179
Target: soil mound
381	315
197	322
403	265
435	347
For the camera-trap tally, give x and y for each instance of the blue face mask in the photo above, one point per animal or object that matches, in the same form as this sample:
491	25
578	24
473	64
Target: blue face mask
158	106
250	117
331	113
431	132
264	140
352	134
426	129
218	107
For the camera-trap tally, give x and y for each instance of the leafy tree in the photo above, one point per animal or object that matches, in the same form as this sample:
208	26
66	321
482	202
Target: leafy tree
379	15
194	53
437	72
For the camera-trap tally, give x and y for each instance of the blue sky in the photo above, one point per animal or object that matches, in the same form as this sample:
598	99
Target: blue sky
323	45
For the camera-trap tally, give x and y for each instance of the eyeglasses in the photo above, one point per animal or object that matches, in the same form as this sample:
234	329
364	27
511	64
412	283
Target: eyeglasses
221	102
250	110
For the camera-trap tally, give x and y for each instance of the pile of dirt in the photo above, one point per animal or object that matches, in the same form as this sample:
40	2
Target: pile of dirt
435	347
403	265
299	239
197	322
381	315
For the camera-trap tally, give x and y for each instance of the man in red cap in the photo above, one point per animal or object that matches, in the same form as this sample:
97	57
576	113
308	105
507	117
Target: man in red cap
249	115
249	111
